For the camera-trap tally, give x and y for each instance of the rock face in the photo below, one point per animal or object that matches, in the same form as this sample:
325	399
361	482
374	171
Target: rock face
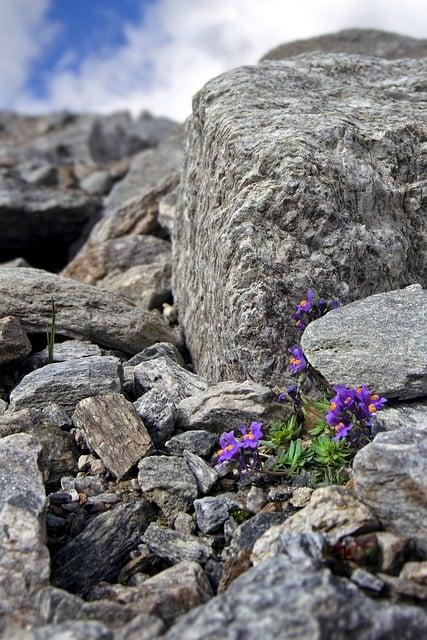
66	383
390	475
369	42
24	558
14	343
114	430
307	176
102	548
380	341
82	311
284	600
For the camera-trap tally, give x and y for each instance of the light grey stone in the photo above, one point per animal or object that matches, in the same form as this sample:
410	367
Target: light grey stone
297	187
102	548
167	210
212	512
166	375
147	286
380	341
390	475
206	476
227	404
97	183
82	311
71	630
63	351
333	510
200	442
27	420
143	627
66	383
176	546
366	580
168	482
42	174
158	413
24	558
156	351
405	415
370	42
282	600
14	343
114	430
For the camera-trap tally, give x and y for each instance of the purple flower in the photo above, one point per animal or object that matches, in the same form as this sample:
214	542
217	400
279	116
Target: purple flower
291	393
344	397
282	397
251	437
229	446
342	430
298	322
298	362
332	417
334	303
306	304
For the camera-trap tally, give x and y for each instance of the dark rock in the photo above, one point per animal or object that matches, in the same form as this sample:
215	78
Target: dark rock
212	512
114	430
352	345
14	343
102	548
63	351
206	476
246	534
300	168
158	413
157	350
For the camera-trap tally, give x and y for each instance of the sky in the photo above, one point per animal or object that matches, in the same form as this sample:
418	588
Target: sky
109	55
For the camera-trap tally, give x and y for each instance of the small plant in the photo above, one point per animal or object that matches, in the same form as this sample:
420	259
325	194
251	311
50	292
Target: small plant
323	435
51	329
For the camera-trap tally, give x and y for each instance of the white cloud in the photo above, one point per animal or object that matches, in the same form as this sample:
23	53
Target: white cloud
182	43
24	33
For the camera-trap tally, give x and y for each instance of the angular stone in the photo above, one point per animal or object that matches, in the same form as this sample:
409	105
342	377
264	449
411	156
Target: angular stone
366	580
147	286
175	546
247	533
369	42
158	413
168	482
392	550
200	442
165	374
352	345
116	256
212	512
14	343
227	404
66	383
114	430
34	420
142	627
102	548
282	599
206	476
32	218
333	510
167	210
97	183
24	558
82	311
318	207
63	351
390	475
404	415
157	350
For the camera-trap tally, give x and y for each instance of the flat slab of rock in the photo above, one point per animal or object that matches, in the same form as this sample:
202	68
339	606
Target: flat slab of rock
14	343
82	311
390	475
24	558
369	42
102	548
165	374
226	405
147	286
334	511
380	341
66	383
297	187
403	415
168	482
200	442
114	430
63	351
284	600
176	546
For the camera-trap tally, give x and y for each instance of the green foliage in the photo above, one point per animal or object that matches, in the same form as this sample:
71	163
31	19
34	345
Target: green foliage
295	458
314	415
240	515
51	334
330	460
282	432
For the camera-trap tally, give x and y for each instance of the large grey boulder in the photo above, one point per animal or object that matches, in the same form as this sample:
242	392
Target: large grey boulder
380	341
282	600
82	311
390	475
66	383
369	42
297	173
24	558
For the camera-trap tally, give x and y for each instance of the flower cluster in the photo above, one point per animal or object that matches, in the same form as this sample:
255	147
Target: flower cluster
310	308
236	446
297	362
349	405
